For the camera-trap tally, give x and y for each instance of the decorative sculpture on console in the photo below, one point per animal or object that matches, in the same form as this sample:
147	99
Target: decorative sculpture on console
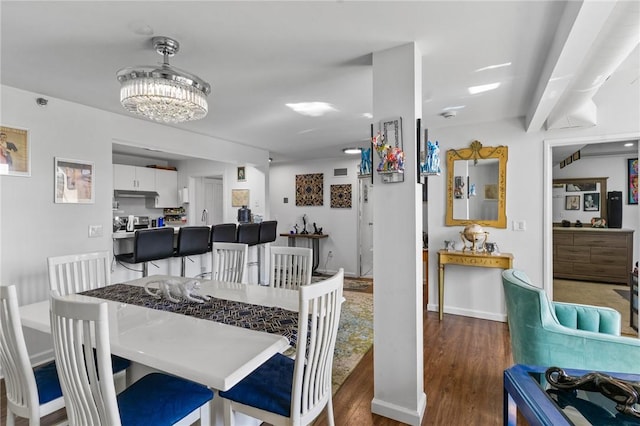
175	291
304	222
317	231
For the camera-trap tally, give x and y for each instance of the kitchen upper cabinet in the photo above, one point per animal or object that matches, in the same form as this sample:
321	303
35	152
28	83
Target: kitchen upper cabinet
167	188
134	178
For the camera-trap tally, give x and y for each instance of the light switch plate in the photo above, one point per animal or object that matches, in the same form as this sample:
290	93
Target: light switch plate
95	231
519	225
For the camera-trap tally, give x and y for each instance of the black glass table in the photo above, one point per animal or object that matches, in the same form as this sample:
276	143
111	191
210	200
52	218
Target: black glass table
526	390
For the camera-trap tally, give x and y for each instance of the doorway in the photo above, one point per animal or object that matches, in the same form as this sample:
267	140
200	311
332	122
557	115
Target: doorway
208	202
365	227
608	150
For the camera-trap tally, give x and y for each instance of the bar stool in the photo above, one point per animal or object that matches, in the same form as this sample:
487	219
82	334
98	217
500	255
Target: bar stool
267	234
249	234
223	233
149	245
192	240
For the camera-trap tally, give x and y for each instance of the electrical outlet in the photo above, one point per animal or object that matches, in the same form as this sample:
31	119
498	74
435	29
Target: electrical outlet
95	231
330	254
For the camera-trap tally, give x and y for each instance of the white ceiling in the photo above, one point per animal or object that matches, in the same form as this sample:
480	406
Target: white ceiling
260	55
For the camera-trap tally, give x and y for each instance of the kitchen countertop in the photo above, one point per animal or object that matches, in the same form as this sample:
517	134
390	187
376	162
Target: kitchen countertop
118	235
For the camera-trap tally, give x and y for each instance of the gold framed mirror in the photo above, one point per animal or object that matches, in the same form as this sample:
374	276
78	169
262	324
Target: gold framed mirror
477	186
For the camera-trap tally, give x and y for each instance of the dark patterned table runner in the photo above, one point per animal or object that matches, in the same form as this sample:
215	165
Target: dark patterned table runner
255	317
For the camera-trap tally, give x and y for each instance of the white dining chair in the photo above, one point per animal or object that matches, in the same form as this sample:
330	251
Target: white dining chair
229	261
290	267
155	399
76	273
285	391
31	393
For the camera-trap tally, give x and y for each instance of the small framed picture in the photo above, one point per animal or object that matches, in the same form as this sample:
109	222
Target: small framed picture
576	156
568	160
74	180
241	174
591	202
562	164
572	202
15	152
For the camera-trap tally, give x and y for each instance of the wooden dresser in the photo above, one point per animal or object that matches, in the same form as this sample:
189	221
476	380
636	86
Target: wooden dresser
593	254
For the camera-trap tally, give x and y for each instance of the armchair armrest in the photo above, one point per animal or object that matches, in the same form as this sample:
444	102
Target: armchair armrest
590	318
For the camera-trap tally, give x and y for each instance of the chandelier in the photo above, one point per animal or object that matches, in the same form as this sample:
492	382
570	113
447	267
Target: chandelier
165	93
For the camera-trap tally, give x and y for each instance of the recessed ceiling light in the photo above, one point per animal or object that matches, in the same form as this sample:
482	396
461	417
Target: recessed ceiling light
367	115
453	108
351	150
483	88
312	109
628	144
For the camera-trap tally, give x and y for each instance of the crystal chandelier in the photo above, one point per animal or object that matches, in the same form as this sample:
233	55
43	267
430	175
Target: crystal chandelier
165	93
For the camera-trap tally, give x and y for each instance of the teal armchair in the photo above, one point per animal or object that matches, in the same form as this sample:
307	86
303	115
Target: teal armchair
565	335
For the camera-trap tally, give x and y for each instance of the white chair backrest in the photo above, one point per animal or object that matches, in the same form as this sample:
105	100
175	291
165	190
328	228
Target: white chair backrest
290	267
20	383
319	315
77	327
76	273
229	261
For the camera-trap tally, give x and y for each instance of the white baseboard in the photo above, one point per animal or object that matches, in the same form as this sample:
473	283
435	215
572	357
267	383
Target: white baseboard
492	316
398	413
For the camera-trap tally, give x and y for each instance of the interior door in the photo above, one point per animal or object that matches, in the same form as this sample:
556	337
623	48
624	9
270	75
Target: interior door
365	227
213	201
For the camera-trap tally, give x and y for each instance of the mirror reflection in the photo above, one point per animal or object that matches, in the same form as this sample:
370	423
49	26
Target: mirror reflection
476	186
475	193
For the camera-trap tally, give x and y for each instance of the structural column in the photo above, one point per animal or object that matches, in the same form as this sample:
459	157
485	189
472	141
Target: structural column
397	241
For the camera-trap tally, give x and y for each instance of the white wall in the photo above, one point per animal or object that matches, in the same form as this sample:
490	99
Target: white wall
33	227
340	224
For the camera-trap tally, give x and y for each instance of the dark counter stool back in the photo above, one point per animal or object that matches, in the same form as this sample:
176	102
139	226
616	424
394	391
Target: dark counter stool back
223	233
192	240
267	231
249	233
149	245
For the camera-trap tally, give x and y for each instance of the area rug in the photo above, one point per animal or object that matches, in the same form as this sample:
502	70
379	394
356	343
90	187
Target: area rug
623	293
354	284
355	335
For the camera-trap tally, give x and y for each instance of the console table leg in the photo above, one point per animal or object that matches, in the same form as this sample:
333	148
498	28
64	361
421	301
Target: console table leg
441	290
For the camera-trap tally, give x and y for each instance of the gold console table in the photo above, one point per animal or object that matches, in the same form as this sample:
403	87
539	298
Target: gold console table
482	260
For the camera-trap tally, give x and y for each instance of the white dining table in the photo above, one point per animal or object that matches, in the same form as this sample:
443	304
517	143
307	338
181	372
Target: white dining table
211	353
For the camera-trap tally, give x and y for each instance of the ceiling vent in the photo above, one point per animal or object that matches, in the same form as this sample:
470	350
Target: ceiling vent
339	172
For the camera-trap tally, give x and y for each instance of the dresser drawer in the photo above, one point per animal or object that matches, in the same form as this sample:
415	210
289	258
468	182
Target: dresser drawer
605	272
562	268
600	240
573	254
562	239
609	256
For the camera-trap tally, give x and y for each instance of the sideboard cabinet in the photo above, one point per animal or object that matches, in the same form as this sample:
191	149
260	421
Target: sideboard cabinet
593	254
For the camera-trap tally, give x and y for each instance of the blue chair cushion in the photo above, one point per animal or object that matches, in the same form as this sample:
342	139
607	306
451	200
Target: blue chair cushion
47	382
118	364
268	387
160	399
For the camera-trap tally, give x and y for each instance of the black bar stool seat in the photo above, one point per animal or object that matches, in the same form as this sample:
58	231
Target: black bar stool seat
149	245
192	240
223	233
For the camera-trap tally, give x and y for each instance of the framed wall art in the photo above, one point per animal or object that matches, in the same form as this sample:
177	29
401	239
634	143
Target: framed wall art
341	196
15	152
309	189
74	180
239	197
572	202
241	174
632	178
591	202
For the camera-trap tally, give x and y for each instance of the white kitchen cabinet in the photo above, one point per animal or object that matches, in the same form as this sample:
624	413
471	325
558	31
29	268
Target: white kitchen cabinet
134	178
167	188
